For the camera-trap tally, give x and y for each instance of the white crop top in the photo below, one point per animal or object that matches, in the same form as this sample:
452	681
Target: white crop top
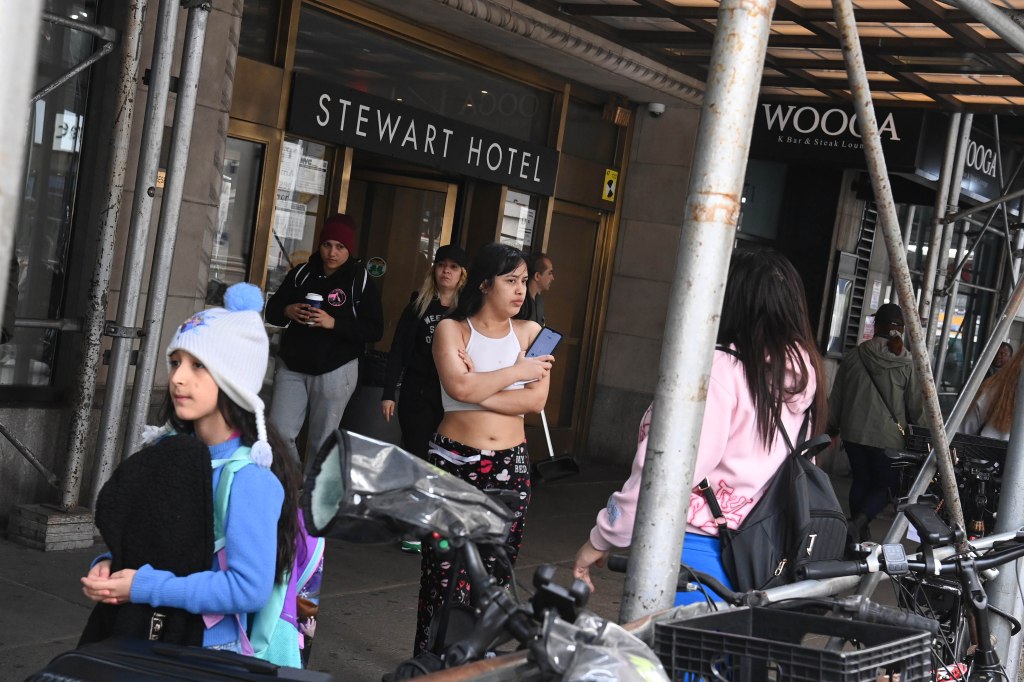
487	355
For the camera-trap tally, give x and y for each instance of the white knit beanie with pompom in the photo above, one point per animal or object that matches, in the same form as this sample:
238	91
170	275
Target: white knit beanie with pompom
233	344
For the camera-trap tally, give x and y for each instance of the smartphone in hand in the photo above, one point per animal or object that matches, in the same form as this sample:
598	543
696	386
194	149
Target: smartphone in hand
544	344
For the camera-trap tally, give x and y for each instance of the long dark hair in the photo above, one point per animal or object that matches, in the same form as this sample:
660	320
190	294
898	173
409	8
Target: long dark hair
282	466
493	260
764	315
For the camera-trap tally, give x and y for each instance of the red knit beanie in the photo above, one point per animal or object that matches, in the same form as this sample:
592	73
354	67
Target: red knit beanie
340	228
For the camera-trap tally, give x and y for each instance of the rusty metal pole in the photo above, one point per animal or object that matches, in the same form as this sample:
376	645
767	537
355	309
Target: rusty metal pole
83	391
695	302
893	242
123	331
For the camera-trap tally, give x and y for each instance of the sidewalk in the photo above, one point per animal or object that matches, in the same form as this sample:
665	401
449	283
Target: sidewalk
368	603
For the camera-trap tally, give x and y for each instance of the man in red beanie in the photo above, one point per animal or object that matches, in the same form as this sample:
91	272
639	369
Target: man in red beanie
332	310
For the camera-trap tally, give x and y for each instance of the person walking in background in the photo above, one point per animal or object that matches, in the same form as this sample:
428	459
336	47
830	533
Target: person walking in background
411	359
324	338
216	362
1002	357
542	275
991	413
487	384
765	380
875	395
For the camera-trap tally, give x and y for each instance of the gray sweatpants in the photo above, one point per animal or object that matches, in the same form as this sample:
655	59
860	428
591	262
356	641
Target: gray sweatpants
325	396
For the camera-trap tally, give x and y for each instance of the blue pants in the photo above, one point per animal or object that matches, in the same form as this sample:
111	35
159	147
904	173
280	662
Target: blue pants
702	553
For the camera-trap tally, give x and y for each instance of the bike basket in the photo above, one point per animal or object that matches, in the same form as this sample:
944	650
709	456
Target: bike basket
754	644
967	446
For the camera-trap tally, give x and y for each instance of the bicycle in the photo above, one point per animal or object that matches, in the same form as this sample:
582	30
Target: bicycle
964	648
362	490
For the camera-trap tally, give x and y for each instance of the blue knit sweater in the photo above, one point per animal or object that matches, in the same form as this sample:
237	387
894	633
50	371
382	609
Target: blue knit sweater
251	545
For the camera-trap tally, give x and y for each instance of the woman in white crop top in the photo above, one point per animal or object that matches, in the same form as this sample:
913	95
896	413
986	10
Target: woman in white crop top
487	386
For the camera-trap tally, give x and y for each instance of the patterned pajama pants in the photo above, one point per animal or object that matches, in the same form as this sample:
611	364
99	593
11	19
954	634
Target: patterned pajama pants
503	469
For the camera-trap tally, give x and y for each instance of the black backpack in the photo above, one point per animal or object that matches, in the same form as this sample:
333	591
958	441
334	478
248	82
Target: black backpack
796	521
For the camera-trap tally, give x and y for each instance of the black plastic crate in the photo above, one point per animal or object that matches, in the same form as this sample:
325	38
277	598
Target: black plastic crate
967	446
755	644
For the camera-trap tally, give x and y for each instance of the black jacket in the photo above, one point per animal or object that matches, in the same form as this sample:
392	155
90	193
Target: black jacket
157	509
411	359
351	299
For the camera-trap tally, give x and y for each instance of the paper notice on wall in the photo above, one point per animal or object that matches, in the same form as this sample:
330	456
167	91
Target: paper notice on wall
312	175
291	152
527	218
289	219
876	294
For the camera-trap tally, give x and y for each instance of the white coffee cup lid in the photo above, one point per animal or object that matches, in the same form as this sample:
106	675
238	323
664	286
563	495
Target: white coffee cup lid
314	297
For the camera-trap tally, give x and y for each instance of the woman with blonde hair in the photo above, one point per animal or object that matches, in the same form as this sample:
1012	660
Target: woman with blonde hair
411	359
991	414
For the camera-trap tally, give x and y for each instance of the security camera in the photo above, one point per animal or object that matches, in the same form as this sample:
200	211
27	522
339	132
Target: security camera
655	109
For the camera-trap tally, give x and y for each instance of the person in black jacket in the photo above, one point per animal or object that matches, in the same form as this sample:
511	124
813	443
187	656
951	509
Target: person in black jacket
411	359
320	348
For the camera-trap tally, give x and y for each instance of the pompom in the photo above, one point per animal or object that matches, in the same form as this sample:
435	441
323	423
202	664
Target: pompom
151	433
261	454
243	296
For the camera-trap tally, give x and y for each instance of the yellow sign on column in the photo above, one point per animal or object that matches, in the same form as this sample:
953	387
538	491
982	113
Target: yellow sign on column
611	182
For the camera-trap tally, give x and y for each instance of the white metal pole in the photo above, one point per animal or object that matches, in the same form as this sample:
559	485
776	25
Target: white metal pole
167	229
695	303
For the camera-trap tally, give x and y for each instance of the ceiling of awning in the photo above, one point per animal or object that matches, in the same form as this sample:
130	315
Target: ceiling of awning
918	53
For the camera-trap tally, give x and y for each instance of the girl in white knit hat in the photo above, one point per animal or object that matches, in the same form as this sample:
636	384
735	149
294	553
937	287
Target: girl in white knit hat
216	363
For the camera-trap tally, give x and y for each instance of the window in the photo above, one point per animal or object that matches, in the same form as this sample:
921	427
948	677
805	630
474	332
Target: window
236	217
56	125
300	198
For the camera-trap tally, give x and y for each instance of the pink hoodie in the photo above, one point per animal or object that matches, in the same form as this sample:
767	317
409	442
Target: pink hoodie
730	455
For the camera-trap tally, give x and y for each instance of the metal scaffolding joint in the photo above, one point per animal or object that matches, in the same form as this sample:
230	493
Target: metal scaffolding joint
111	328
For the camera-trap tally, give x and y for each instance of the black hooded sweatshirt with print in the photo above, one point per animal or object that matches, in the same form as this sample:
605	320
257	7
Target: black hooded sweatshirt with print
349	297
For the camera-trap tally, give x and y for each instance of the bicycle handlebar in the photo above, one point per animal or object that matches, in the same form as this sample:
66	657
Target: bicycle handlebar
820	570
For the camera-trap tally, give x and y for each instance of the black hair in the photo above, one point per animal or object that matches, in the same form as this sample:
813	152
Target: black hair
535	263
493	260
1007	345
282	466
764	315
889	313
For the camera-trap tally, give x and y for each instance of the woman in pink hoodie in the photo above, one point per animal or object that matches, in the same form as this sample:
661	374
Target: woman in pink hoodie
764	378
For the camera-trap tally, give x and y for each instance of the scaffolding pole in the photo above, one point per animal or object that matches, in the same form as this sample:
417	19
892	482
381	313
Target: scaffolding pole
695	303
83	391
938	216
861	91
123	331
947	320
1003	592
942	256
167	228
19	34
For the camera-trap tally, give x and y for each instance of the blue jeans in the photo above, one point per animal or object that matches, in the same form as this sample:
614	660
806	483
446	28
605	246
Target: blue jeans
702	553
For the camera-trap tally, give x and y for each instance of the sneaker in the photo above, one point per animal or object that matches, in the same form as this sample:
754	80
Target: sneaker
411	546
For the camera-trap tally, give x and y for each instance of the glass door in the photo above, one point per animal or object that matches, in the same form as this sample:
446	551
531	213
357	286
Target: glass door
572	245
403	221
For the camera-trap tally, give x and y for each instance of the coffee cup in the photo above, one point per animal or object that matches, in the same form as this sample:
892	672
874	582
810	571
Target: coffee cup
314	301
